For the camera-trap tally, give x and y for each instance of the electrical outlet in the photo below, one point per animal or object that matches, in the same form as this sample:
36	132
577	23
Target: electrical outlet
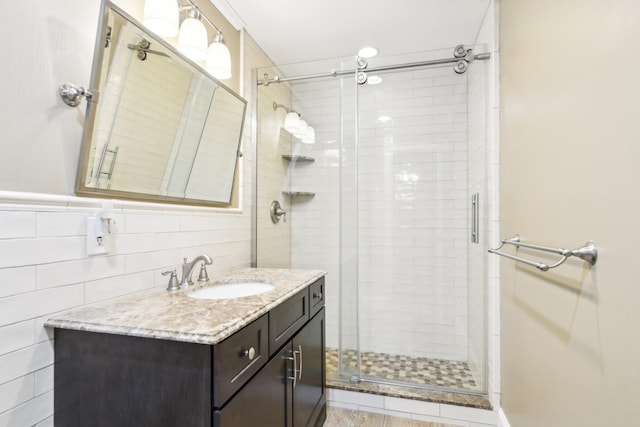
97	239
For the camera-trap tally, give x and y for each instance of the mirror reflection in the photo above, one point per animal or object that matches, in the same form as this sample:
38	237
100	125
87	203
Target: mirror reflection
162	129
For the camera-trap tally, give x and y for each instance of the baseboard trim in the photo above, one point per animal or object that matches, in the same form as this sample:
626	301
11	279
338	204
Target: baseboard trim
502	419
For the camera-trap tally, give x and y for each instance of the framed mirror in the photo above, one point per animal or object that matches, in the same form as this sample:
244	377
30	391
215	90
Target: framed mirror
161	128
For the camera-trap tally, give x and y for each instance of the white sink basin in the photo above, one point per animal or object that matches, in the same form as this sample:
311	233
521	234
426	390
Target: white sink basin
231	290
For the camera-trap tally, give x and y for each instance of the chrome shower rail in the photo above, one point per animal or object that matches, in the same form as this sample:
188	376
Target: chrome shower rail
462	57
588	253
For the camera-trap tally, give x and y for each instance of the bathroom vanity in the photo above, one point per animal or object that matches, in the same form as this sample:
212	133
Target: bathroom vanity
161	359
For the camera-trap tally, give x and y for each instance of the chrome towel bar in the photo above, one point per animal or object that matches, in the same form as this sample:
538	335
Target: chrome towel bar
588	253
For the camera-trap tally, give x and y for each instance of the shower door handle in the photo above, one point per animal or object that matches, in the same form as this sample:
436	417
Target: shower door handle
475	218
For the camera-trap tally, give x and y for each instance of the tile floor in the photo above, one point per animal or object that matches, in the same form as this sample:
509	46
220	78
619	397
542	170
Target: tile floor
339	417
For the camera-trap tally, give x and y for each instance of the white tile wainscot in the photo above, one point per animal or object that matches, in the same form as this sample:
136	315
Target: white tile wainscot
44	269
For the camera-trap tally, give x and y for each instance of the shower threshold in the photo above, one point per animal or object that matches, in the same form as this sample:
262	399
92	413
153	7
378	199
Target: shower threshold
387	369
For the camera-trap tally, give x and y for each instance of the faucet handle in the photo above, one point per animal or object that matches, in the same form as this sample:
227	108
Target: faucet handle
173	280
203	276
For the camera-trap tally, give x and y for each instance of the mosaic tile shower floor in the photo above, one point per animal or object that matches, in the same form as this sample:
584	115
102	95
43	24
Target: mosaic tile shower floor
422	372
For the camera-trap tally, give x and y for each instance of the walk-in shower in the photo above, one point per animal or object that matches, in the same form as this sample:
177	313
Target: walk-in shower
391	201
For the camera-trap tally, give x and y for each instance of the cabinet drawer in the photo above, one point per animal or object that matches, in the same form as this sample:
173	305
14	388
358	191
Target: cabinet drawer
265	401
316	292
287	318
237	358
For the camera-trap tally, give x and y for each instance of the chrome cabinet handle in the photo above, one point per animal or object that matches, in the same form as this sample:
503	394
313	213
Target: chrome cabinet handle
300	370
251	353
295	368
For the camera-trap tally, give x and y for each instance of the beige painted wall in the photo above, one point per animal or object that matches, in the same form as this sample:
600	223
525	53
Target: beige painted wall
570	152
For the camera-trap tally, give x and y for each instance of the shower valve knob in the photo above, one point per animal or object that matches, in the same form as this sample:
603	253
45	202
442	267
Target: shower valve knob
276	212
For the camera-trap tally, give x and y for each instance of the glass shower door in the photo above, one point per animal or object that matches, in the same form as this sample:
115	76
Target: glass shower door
413	228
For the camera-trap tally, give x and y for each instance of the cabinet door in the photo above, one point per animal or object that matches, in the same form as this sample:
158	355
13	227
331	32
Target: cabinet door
309	392
264	401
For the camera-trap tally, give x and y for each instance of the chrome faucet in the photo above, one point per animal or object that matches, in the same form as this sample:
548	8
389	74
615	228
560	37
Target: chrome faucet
187	268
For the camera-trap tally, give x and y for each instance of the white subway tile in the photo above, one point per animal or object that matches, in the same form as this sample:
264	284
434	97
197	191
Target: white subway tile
16	336
39	303
44	380
355	398
47	422
112	287
151	260
38	251
25	361
17	280
77	271
17	224
151	223
30	413
16	392
43	333
58	224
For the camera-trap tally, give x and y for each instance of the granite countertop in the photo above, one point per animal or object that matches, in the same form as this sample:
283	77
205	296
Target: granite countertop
156	313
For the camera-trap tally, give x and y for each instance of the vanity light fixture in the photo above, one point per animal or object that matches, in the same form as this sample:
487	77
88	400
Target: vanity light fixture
218	59
295	125
310	136
292	122
192	39
162	17
302	129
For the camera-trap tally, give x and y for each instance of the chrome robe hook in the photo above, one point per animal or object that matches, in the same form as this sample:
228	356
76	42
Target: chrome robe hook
72	94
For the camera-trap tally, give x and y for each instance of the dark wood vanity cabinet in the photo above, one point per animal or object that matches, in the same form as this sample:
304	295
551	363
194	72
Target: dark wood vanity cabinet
309	391
114	380
272	398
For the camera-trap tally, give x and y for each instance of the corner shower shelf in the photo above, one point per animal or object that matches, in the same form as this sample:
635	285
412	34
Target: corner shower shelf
294	158
298	193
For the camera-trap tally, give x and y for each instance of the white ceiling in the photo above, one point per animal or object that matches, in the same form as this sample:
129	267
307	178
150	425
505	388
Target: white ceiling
293	31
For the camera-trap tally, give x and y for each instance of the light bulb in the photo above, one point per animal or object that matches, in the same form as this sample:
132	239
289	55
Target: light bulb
219	61
310	136
292	122
161	17
302	129
192	40
367	52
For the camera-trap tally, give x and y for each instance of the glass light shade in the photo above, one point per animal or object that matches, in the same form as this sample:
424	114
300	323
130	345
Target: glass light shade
310	136
292	122
367	52
218	61
192	40
161	17
302	129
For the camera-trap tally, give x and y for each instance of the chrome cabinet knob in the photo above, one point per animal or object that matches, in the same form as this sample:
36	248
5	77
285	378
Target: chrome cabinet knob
251	353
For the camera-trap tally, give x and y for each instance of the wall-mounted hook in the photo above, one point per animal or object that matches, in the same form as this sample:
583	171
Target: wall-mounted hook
72	94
